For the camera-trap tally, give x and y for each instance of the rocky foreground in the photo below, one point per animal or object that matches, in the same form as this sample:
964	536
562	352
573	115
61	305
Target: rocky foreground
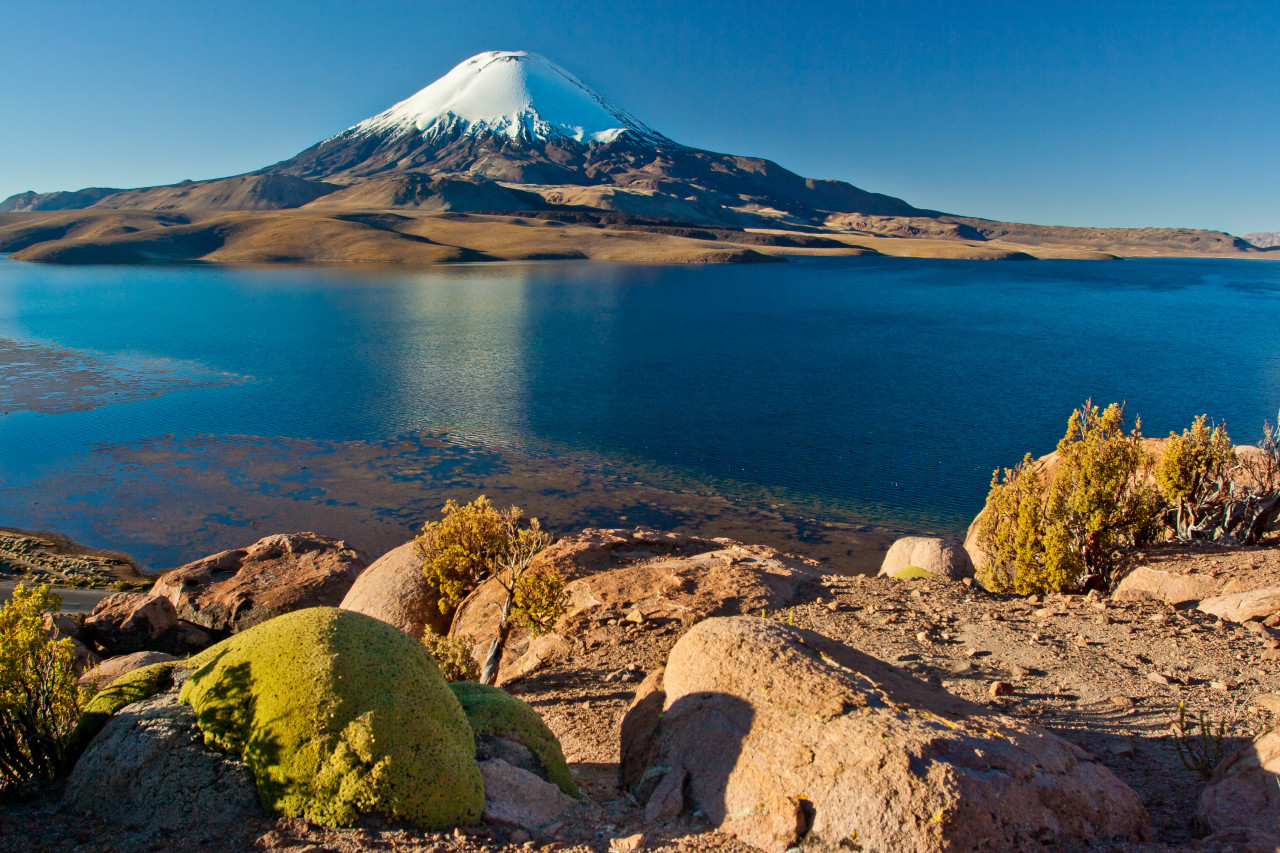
712	695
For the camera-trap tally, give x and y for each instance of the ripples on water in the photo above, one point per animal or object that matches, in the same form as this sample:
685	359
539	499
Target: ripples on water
856	390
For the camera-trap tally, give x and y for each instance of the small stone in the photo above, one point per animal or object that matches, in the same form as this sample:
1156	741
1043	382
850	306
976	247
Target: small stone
629	844
1225	685
1121	701
833	606
1102	619
923	637
1082	640
635	616
1033	599
1000	688
1018	671
1159	678
971	653
967	582
1255	627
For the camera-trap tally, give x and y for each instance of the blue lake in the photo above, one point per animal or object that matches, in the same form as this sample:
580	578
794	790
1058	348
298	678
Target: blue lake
168	411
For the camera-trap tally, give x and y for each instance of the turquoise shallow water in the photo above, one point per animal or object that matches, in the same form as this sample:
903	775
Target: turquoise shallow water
880	391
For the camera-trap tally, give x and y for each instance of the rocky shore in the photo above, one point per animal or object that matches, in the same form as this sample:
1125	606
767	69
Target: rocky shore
1069	703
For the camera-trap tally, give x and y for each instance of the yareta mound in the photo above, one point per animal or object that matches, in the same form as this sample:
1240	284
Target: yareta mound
494	713
338	714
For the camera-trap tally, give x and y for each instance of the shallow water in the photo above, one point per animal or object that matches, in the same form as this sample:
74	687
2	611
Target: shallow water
819	405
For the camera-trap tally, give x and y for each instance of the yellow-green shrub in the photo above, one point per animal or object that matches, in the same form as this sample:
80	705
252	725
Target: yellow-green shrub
539	600
465	547
1194	471
453	656
1044	532
39	695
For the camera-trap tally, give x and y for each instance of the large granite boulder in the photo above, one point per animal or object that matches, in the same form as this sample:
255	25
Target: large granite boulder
1174	588
129	622
638	578
396	590
944	558
107	672
1243	606
786	735
149	767
1244	793
235	590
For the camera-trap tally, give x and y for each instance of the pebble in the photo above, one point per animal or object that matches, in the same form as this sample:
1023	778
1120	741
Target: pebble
1159	678
1000	688
923	636
1018	671
833	606
1224	685
629	844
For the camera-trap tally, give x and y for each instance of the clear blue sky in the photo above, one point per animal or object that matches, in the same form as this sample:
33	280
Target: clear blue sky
1075	113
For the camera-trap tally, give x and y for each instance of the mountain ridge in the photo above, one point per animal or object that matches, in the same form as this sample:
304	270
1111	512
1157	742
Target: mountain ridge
510	132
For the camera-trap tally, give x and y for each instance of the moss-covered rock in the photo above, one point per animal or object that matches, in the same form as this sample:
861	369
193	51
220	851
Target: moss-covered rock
131	687
496	713
913	572
338	714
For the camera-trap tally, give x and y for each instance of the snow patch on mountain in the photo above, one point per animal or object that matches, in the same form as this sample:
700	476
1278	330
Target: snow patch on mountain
515	94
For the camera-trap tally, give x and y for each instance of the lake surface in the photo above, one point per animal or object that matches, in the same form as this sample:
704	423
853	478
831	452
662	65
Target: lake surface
822	405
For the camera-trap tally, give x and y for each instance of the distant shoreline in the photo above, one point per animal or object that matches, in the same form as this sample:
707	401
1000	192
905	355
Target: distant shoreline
409	237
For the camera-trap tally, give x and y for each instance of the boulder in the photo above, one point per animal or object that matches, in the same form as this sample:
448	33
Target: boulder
1244	793
149	767
517	797
1243	606
396	590
111	669
339	714
639	725
235	590
787	735
129	622
1147	584
944	558
645	579
62	627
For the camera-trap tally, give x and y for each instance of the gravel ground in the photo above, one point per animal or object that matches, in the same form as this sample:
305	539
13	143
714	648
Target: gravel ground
1108	676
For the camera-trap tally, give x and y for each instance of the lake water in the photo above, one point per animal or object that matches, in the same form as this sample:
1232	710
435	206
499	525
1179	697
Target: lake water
823	405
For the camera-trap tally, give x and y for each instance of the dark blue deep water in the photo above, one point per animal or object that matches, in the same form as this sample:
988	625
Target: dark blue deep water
860	389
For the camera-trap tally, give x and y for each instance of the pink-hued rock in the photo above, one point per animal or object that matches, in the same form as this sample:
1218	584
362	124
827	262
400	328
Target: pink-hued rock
1243	606
1147	584
109	670
787	734
516	797
396	590
1244	793
643	577
235	590
130	622
945	558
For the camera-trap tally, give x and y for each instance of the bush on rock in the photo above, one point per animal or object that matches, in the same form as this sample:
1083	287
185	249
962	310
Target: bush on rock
338	714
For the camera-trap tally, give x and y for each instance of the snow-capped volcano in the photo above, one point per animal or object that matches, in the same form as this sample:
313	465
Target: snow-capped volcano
508	131
515	94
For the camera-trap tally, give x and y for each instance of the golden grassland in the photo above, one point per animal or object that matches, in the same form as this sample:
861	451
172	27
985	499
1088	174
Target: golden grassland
416	237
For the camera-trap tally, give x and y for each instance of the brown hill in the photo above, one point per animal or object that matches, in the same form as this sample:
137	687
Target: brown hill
424	192
242	192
